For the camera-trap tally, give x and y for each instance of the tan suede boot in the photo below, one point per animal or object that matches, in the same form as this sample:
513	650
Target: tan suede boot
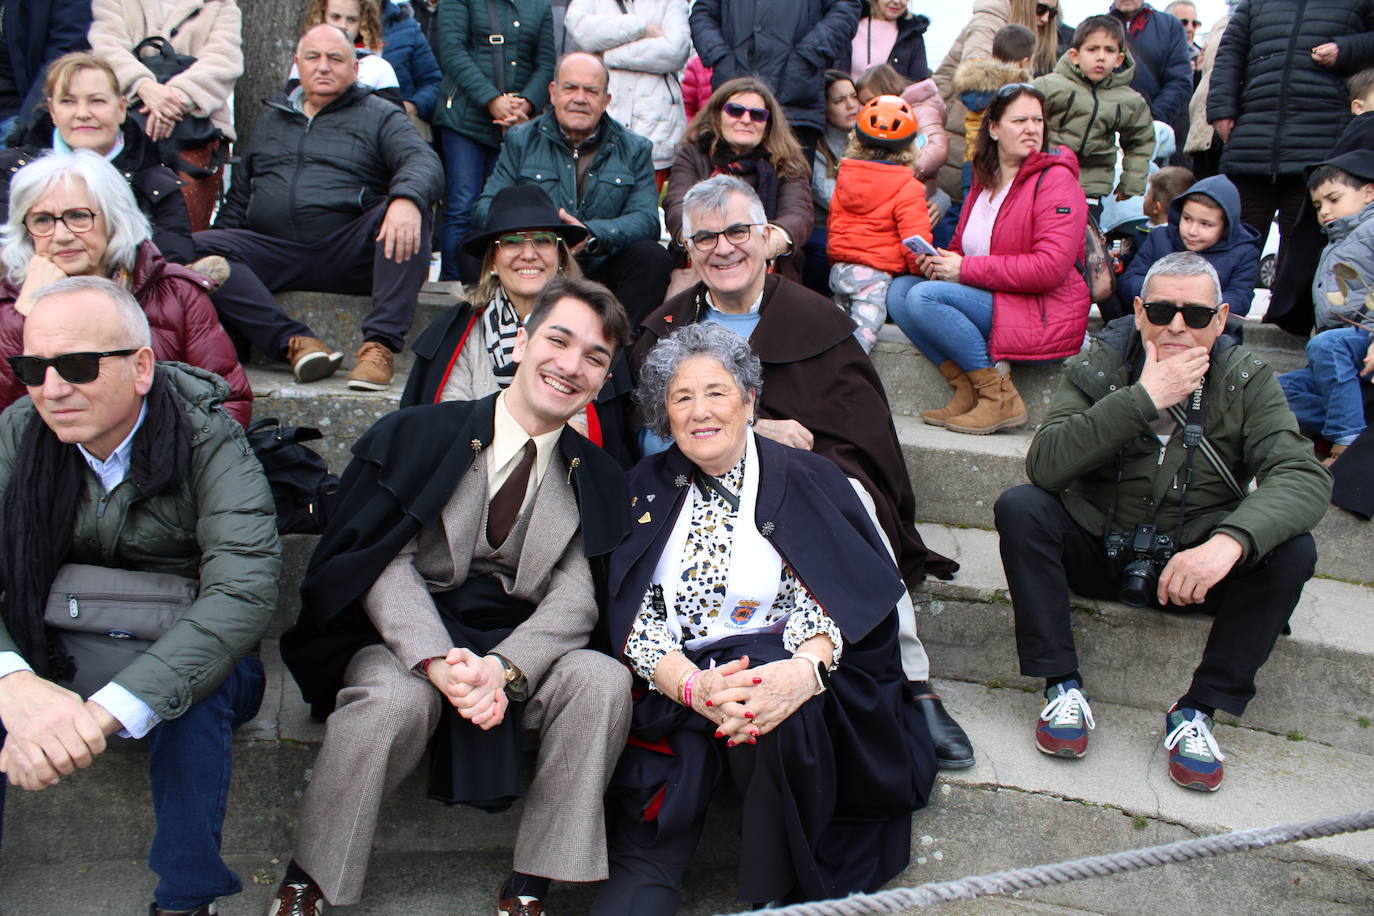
999	405
963	400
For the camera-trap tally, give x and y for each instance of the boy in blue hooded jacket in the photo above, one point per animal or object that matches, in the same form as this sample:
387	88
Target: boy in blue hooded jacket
1205	219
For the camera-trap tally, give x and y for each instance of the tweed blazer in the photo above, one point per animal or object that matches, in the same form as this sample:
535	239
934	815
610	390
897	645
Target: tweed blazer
550	572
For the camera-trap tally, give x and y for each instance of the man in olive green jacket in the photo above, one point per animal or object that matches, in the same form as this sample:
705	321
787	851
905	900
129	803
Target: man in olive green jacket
116	461
1161	424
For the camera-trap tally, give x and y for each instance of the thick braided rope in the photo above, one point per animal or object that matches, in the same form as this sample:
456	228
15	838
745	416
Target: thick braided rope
899	898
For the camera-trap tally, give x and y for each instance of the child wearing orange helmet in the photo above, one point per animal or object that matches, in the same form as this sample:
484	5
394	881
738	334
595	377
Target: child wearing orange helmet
878	202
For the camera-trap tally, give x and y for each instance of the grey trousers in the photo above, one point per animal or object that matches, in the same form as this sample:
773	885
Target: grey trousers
377	735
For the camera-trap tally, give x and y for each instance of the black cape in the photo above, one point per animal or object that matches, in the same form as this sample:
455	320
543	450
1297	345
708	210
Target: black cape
829	794
403	472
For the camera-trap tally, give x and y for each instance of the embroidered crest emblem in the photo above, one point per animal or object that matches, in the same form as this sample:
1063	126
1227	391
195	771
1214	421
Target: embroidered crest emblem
644	519
743	611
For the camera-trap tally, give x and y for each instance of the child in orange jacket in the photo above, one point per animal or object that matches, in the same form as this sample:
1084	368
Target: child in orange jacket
878	202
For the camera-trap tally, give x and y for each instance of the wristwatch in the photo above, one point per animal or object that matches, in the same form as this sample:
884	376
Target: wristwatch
515	683
820	669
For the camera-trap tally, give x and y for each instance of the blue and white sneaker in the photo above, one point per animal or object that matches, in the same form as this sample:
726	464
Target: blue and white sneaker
1194	758
1064	723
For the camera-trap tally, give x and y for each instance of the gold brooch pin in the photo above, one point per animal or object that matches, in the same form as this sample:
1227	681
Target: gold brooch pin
644	519
572	466
633	501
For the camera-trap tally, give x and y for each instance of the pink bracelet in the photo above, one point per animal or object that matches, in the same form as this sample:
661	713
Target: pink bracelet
687	688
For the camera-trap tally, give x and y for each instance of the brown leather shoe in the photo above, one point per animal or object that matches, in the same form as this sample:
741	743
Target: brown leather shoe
311	360
961	402
297	899
519	906
999	405
373	371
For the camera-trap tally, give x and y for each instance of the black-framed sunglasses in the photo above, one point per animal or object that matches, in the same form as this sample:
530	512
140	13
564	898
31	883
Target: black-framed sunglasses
735	235
75	368
77	219
1009	88
542	241
736	110
1196	317
1044	9
1196	23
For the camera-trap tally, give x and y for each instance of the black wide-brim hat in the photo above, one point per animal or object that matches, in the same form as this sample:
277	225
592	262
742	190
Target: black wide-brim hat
521	208
1359	163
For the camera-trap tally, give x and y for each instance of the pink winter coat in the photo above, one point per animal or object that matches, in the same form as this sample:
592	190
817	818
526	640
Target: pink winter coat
696	86
183	321
1040	302
930	123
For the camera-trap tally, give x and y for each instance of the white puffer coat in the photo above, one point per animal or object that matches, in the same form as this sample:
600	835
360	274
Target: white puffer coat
646	91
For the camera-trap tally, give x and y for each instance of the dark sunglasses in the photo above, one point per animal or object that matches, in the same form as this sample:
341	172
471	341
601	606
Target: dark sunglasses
1009	88
1042	9
1196	23
1196	317
75	368
736	110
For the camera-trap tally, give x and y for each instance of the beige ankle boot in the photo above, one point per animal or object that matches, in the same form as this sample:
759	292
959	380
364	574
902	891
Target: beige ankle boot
961	402
999	405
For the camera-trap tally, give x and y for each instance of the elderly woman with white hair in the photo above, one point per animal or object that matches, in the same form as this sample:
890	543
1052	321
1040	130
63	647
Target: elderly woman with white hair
755	602
73	215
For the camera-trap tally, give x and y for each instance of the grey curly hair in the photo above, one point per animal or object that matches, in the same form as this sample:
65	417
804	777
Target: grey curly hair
702	339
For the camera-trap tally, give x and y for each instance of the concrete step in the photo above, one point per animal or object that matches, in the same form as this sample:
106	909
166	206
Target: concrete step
339	412
1314	690
988	818
957	478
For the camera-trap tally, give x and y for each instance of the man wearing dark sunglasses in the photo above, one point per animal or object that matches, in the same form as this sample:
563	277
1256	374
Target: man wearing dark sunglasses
1161	422
130	467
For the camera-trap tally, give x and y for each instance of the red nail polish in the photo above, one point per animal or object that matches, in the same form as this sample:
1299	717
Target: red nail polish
729	744
758	680
720	734
708	702
753	741
748	715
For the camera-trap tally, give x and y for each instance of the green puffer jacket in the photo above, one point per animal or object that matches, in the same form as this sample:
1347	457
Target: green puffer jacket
469	64
1097	411
620	205
1093	120
220	527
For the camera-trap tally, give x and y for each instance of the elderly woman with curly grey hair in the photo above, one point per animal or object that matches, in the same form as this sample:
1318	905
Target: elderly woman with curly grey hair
755	602
74	215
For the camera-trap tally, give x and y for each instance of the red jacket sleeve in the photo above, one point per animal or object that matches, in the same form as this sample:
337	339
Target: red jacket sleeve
11	344
208	346
912	219
1053	219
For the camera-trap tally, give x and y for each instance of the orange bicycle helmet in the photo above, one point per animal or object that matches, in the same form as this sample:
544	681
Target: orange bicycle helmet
886	121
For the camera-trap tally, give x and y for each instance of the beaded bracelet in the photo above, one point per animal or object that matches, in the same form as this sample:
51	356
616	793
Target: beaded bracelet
687	687
682	686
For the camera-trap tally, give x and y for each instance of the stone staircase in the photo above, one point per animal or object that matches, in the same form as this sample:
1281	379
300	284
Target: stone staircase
1304	749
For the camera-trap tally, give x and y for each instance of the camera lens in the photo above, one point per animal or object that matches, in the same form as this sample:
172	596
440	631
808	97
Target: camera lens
1139	579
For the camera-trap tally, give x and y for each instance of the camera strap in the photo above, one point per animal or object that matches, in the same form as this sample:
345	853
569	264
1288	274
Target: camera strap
1193	440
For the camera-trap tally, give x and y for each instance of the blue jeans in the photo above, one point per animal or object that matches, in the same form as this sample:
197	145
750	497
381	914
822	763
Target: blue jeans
467	164
1325	394
190	760
946	321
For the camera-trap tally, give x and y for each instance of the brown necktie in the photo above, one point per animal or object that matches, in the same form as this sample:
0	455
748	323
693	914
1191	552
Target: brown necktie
505	505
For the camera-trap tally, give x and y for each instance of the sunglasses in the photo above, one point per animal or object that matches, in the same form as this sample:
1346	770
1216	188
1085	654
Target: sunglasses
735	235
42	225
542	241
75	368
1042	9
1195	23
736	110
1009	88
1196	317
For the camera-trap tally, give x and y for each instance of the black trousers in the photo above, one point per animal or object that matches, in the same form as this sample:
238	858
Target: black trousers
348	261
1046	554
638	275
1263	198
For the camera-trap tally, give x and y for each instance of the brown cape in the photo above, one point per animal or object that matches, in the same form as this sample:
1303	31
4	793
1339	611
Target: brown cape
815	372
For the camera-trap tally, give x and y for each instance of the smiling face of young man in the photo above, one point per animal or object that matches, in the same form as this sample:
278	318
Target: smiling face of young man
562	365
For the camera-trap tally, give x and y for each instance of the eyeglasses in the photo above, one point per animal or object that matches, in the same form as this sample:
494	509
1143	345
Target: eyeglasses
75	368
542	241
41	225
735	235
1009	88
1196	317
757	115
1044	9
1195	23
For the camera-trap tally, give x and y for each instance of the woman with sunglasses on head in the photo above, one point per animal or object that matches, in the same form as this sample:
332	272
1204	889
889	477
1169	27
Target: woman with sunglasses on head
74	215
743	131
1007	289
465	353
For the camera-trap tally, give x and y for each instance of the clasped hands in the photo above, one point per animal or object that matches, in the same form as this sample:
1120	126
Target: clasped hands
475	685
746	703
51	731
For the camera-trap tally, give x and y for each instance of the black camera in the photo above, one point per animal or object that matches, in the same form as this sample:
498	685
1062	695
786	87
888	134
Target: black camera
1142	554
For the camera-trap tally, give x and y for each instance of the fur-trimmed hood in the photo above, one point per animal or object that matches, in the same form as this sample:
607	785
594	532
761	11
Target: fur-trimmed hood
987	75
